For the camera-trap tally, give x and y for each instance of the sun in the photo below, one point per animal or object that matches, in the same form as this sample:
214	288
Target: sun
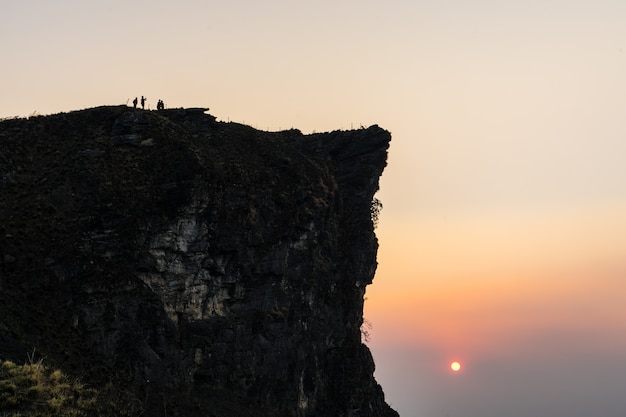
455	366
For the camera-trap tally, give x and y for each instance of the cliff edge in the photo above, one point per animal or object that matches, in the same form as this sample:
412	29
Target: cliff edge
188	267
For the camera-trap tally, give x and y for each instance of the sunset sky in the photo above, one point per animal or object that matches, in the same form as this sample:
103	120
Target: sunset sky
503	232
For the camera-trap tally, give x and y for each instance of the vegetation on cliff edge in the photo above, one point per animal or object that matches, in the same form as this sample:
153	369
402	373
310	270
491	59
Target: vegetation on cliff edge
33	389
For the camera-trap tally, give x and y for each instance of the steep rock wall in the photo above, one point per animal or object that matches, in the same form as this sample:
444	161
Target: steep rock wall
192	266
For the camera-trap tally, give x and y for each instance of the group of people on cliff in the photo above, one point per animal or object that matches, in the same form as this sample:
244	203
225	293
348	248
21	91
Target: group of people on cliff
160	104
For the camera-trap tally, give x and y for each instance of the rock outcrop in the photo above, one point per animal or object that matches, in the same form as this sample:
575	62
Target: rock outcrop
191	267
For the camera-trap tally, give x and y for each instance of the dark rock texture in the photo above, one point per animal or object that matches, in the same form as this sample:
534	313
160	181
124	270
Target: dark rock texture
191	267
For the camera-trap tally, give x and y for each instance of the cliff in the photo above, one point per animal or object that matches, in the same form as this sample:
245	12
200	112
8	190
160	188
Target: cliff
188	267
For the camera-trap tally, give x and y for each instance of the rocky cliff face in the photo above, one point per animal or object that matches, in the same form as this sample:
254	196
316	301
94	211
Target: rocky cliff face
192	267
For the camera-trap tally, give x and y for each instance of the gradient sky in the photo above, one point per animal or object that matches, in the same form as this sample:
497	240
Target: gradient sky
503	232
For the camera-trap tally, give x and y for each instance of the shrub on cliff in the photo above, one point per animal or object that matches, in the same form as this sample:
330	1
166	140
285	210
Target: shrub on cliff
35	390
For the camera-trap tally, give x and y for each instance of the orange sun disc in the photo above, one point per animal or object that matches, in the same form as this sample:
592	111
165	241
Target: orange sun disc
455	366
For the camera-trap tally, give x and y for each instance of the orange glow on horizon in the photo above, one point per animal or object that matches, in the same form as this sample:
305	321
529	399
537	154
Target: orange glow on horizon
429	292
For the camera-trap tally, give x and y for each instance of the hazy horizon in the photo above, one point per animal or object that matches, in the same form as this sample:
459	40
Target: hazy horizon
502	235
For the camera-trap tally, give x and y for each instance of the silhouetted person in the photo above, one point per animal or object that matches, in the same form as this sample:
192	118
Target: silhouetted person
135	102
143	102
160	105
